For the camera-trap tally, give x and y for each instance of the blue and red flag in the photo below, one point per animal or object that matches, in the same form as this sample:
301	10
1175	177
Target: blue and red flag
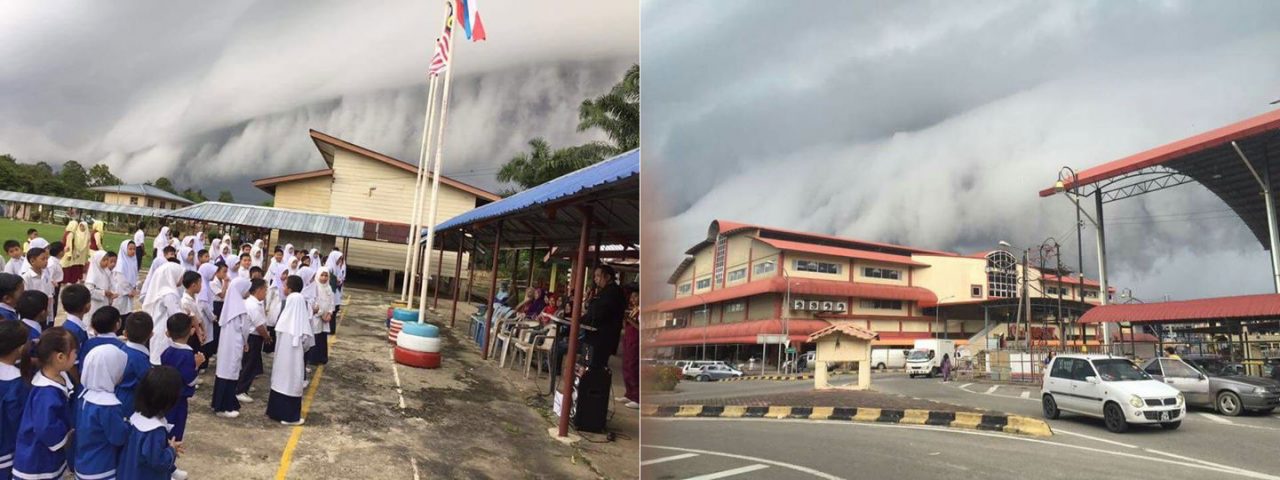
468	12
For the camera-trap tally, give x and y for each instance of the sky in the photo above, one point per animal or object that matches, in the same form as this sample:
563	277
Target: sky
214	94
934	124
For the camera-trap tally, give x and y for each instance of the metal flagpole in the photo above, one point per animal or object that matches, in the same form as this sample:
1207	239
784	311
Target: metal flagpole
435	175
415	221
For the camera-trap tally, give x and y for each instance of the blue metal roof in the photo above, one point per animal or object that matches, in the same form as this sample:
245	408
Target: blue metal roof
600	175
145	190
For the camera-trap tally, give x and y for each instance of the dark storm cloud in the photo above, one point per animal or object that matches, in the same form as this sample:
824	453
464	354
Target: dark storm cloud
935	123
222	92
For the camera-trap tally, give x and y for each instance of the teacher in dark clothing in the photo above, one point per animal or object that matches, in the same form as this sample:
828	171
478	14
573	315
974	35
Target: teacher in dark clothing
604	312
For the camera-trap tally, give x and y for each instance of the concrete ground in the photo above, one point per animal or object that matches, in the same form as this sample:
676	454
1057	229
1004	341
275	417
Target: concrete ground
1207	446
467	419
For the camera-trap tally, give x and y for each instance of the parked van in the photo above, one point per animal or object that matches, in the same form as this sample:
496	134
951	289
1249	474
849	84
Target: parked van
926	358
886	358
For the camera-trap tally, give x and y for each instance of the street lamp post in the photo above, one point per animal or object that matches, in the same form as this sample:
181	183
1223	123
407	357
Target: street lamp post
786	325
1073	194
937	317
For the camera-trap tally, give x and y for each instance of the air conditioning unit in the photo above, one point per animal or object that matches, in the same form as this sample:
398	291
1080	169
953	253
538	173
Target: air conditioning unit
842	307
798	305
815	305
828	306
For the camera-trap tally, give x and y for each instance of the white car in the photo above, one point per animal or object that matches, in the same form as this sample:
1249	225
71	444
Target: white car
1111	388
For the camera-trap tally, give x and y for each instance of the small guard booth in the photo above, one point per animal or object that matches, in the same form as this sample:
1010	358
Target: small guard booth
842	342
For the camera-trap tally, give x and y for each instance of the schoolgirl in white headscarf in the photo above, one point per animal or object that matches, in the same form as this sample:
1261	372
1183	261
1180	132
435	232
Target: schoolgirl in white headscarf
162	299
100	411
161	241
322	300
256	253
337	265
232	339
294	337
124	278
199	244
99	281
206	299
187	258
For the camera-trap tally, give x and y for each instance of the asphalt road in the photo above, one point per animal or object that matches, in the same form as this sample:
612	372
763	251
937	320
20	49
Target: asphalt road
1207	446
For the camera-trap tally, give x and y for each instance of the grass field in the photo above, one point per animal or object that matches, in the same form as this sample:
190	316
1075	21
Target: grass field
15	230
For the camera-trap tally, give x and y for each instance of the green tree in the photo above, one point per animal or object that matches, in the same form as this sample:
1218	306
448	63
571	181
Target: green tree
617	113
226	197
270	202
75	180
196	196
165	184
100	176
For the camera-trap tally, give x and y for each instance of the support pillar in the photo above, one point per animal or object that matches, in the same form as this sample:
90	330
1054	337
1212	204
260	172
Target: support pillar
579	275
1103	295
864	369
1272	229
820	376
493	295
435	301
457	279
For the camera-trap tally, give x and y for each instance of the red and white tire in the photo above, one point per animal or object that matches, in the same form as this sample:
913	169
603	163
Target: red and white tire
418	344
417	359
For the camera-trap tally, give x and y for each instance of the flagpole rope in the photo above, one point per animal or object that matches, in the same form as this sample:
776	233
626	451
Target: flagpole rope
415	224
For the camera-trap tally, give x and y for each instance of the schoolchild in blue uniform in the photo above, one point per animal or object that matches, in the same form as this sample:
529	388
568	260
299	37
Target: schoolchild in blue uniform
149	453
33	304
44	432
105	323
75	300
137	330
101	428
182	358
11	287
13	390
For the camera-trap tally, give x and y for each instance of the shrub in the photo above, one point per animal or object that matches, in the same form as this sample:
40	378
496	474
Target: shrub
660	378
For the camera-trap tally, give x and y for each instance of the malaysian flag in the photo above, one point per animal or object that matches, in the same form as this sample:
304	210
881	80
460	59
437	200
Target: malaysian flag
440	61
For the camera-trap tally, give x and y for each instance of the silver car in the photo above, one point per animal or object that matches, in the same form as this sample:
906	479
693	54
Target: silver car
1212	382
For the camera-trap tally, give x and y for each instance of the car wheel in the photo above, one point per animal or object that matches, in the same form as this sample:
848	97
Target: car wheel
1229	404
912	375
1113	416
1051	411
703	378
1171	425
881	367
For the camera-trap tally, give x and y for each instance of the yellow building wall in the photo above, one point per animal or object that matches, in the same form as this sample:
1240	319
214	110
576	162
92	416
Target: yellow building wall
309	195
884	325
390	256
730	316
762	253
857	309
763	307
916	325
123	199
367	188
950	277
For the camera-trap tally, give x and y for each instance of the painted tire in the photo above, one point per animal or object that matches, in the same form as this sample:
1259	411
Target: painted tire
420	329
417	359
390	312
405	314
418	344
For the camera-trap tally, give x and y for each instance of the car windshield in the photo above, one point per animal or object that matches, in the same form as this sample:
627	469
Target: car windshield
918	355
1119	370
1214	367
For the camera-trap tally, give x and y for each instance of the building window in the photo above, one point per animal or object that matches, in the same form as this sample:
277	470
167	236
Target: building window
1002	275
133	200
886	273
722	247
882	304
763	268
1090	294
704	283
975	291
151	202
1052	291
818	267
685	288
735	307
738	274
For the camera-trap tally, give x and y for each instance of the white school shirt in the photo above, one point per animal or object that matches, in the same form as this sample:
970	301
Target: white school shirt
40	282
139	237
166	307
54	270
257	315
14	266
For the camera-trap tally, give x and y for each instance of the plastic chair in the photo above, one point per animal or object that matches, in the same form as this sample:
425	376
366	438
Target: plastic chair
540	344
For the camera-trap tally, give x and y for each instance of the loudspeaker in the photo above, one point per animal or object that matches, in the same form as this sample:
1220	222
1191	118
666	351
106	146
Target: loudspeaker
592	409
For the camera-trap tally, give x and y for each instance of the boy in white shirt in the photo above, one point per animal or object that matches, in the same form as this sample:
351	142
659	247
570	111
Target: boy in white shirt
13	249
35	277
54	271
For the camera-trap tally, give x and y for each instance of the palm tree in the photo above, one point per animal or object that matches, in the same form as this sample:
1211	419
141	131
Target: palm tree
617	112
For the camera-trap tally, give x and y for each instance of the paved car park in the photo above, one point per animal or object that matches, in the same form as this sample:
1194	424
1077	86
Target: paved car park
1208	445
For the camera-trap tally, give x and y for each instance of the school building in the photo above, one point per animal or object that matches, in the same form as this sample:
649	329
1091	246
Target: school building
745	282
141	195
374	188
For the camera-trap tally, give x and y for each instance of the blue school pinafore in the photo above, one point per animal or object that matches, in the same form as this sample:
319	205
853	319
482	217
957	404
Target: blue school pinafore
44	431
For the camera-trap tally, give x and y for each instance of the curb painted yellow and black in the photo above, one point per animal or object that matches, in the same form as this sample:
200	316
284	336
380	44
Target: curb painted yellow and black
777	377
1014	424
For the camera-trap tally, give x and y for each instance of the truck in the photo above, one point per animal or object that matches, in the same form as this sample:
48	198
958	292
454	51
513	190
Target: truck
926	358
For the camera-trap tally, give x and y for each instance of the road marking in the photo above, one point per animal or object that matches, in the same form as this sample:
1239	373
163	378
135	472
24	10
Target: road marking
396	372
1199	464
797	468
1096	439
1216	418
1189	459
730	473
966	385
992	389
681	456
287	456
414	461
1026	394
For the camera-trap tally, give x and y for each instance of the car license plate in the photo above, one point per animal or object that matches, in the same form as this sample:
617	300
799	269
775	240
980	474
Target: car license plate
1164	416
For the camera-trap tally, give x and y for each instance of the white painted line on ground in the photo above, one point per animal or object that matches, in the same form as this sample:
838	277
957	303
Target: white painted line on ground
681	456
1026	394
1216	418
414	462
966	385
1096	439
1189	459
797	468
992	389
1199	464
730	472
396	371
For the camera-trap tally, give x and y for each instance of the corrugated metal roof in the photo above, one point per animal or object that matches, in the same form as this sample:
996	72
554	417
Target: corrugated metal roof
802	286
143	189
597	176
1266	305
90	205
270	217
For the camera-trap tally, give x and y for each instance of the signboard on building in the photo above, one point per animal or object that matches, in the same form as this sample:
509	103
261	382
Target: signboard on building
770	339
